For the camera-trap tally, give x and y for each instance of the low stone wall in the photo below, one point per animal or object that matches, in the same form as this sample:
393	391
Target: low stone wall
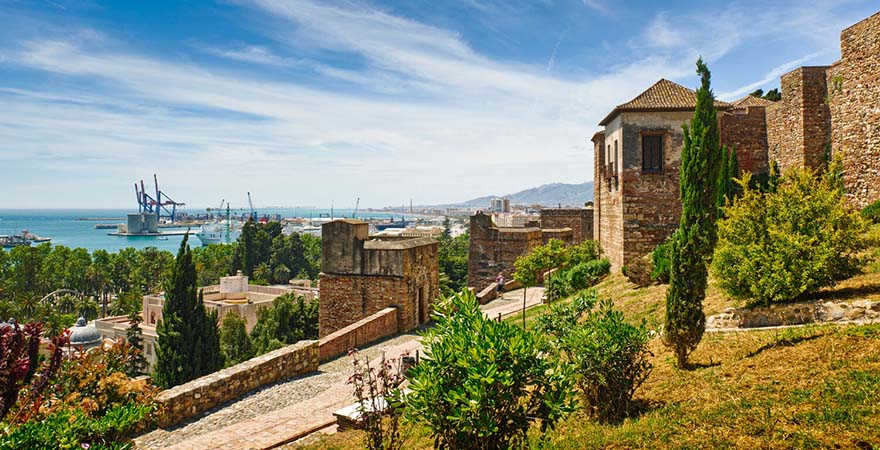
363	332
202	394
795	314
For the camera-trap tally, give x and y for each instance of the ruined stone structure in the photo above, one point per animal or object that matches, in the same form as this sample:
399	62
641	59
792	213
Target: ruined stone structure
824	109
494	249
361	276
579	220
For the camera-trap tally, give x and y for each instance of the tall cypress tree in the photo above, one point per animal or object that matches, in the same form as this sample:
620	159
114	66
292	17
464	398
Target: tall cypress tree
135	337
188	340
701	161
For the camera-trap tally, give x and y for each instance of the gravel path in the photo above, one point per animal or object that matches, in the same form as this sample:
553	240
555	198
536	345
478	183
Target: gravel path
265	400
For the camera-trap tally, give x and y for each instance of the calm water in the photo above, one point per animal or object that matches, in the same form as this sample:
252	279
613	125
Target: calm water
61	225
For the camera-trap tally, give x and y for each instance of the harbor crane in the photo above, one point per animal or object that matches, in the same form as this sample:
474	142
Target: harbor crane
166	208
251	204
358	203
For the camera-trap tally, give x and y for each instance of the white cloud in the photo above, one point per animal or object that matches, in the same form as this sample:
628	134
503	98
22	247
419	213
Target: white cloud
422	115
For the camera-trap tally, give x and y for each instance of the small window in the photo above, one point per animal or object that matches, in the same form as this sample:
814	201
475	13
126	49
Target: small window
652	153
616	159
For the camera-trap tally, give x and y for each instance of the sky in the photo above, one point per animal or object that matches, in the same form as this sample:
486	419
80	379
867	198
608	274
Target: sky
303	102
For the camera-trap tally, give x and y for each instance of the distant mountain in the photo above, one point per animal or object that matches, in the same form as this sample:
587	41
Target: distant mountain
547	195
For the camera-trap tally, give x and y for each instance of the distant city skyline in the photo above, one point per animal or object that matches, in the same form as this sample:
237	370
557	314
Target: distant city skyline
305	102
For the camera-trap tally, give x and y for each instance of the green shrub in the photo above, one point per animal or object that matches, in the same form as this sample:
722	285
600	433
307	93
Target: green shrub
609	356
575	278
779	245
661	260
483	383
74	429
872	212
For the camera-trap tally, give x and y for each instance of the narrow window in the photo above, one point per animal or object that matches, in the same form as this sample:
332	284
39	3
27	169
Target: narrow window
652	153
616	159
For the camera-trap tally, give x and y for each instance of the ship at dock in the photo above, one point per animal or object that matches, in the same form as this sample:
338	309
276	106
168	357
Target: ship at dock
223	232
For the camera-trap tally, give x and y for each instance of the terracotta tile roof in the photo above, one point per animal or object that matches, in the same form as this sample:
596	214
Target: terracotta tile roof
751	100
664	95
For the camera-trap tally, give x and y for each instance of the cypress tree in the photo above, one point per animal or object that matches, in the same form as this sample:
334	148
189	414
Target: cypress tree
188	340
701	161
133	334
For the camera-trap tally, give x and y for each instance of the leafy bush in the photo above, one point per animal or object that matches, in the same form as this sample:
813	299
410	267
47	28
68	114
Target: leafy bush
609	355
661	260
74	429
872	212
483	384
290	319
779	245
234	341
95	383
577	277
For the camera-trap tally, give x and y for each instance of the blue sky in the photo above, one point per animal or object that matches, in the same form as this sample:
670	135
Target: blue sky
303	102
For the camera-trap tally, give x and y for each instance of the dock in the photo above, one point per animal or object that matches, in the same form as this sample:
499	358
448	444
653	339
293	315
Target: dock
161	233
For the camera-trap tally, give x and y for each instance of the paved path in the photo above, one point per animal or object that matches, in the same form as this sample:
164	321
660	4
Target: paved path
289	410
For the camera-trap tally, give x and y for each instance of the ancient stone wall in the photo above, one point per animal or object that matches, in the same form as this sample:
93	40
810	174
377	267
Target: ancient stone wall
652	208
854	99
580	220
363	332
200	395
598	183
745	129
493	250
608	196
403	274
799	125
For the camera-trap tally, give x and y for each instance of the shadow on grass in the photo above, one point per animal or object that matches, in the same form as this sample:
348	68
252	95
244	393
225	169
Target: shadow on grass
701	365
848	293
783	342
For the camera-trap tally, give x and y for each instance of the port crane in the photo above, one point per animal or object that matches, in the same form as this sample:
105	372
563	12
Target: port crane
251	204
166	208
356	205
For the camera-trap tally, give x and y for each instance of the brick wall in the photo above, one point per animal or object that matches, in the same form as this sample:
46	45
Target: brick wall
363	332
746	130
493	250
361	277
652	208
580	220
200	395
854	99
799	125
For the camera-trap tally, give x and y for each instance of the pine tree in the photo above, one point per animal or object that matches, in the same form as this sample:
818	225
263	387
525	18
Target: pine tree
188	341
137	363
701	161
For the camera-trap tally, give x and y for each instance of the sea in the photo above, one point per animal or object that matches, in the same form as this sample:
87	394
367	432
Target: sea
67	227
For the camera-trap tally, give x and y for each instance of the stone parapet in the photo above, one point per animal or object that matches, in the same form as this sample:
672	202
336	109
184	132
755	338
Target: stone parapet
202	394
363	332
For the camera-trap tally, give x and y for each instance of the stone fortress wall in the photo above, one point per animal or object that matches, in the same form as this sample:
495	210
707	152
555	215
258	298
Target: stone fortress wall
854	105
361	276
